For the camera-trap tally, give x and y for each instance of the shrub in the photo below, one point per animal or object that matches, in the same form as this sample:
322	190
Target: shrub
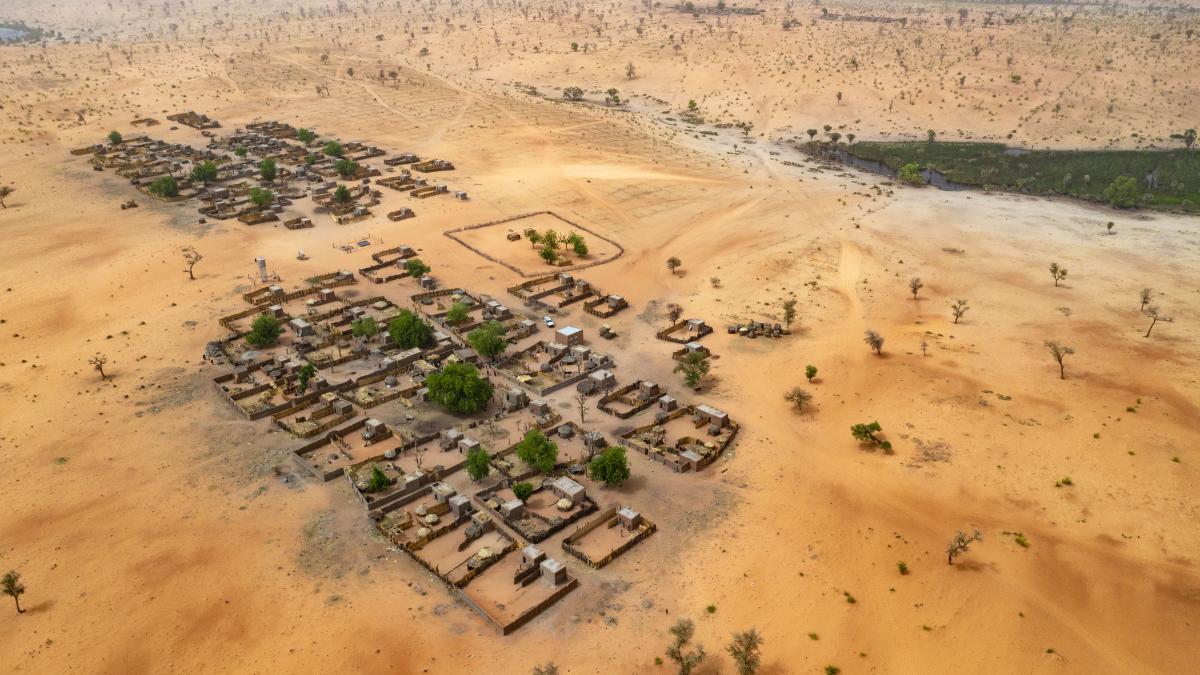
164	187
522	490
378	481
416	268
333	149
810	372
902	566
911	173
1122	192
115	137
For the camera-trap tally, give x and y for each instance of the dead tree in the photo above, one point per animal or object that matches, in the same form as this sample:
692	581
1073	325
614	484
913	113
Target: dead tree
1155	315
190	257
1146	293
581	400
959	545
98	362
915	284
674	311
874	340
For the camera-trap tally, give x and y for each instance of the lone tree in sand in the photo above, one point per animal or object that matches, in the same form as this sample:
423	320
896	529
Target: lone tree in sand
630	71
98	362
190	257
959	545
810	372
673	264
1152	311
5	191
865	434
1059	352
744	650
1059	273
12	586
874	340
798	398
789	312
612	96
959	308
1146	294
573	94
694	367
548	669
683	631
915	284
674	311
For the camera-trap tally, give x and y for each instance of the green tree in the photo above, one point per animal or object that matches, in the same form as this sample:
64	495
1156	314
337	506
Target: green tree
459	388
865	434
683	631
610	467
378	481
261	197
306	136
810	372
334	149
306	375
346	168
1057	272
522	490
911	173
694	366
204	172
241	152
1188	137
573	94
457	314
341	194
533	236
478	463
365	328
789	312
673	264
1122	192
267	169
488	339
409	330
416	268
744	650
537	451
115	137
579	247
12	586
264	331
164	187
549	253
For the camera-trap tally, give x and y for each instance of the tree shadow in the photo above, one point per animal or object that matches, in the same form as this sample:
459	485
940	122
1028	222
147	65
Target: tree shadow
43	606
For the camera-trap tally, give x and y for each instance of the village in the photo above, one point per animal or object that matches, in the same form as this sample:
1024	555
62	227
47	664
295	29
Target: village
488	443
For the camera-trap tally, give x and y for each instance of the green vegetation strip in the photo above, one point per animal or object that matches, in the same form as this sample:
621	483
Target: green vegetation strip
1165	179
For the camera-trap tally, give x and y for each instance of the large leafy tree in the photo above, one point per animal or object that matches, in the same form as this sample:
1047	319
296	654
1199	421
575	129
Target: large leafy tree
334	149
267	169
488	339
459	388
477	463
611	466
416	268
264	331
409	330
204	172
164	187
537	451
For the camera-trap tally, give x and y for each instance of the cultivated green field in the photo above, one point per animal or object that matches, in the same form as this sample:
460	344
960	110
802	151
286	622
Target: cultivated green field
1166	179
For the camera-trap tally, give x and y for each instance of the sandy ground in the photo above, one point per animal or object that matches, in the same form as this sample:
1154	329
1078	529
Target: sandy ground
154	535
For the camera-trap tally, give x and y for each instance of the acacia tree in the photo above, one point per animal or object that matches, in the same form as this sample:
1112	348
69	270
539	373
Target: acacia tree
630	71
1146	295
683	631
959	308
959	544
1059	352
5	191
673	264
12	586
1058	272
744	650
190	257
798	398
1152	311
98	362
874	340
674	311
915	284
694	366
